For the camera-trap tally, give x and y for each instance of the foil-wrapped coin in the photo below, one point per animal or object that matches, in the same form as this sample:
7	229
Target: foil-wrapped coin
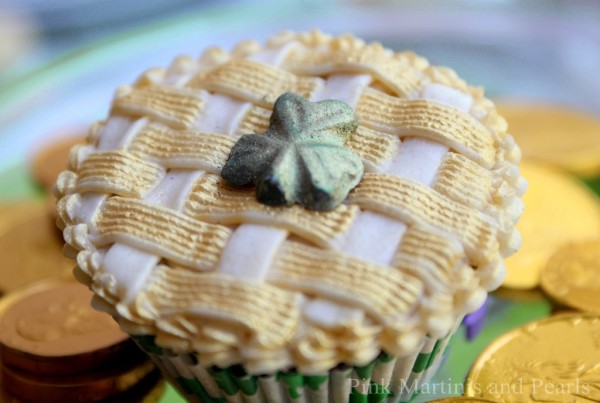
555	134
556	359
52	160
50	328
30	245
533	295
87	387
558	210
572	276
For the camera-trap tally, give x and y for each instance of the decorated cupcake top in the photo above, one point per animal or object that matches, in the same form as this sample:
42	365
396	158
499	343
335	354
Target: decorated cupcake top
309	202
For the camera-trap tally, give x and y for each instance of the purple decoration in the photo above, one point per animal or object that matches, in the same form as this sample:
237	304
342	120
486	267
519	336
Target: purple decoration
474	322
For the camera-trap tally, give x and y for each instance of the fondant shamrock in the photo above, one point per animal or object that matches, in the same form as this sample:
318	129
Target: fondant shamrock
301	158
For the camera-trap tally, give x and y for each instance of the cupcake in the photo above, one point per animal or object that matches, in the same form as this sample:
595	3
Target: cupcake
304	220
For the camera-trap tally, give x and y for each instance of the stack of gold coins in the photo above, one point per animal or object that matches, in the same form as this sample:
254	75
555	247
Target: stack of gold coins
555	134
52	159
558	210
555	359
55	348
30	243
559	144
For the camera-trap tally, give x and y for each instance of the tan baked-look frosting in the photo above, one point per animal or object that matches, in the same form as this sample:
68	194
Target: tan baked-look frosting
172	250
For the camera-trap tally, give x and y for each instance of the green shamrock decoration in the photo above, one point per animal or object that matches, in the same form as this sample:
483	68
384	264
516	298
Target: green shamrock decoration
301	158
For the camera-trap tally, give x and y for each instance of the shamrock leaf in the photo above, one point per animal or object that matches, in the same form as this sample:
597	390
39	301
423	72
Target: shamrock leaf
301	158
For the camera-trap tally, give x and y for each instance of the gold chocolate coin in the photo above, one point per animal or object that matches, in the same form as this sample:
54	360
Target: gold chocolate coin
533	295
86	387
555	134
572	276
556	359
15	211
50	328
558	210
30	245
51	161
149	390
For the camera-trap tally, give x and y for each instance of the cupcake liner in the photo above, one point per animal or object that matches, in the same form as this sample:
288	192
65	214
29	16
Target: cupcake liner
386	379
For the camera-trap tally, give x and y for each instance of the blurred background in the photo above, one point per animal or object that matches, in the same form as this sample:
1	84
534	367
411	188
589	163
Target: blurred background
60	61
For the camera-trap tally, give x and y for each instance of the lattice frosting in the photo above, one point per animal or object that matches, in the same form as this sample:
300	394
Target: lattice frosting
172	250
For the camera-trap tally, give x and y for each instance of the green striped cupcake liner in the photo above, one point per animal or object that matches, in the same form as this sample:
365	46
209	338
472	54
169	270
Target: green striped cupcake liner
386	379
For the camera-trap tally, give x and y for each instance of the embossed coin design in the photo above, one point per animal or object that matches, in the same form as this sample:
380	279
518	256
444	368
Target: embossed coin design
558	210
551	360
50	328
572	276
52	160
30	246
555	134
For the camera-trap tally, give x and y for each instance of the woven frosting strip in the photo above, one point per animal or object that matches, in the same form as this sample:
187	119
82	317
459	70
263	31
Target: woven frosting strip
256	120
374	147
119	173
255	82
430	120
213	200
434	263
171	234
354	57
203	296
385	293
415	203
182	148
176	107
465	182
